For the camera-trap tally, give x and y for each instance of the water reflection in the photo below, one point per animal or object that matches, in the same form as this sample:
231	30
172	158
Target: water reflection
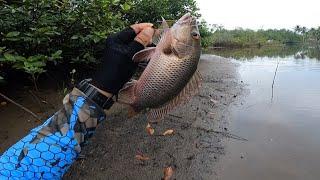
284	133
298	51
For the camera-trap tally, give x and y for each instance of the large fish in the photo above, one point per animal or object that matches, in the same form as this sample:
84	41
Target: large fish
171	77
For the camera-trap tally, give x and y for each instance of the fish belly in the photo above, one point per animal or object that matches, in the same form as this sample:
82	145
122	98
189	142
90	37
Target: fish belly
163	79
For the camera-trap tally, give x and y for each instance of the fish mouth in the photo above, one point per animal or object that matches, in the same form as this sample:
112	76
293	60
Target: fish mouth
187	19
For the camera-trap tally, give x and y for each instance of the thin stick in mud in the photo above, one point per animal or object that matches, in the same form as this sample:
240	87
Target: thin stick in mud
20	106
274	77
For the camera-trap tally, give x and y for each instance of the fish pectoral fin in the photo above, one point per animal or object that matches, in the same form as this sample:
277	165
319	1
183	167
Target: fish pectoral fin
126	94
144	55
183	97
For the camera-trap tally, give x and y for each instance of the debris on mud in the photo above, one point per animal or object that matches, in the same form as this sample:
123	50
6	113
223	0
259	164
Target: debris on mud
142	157
168	132
168	172
149	129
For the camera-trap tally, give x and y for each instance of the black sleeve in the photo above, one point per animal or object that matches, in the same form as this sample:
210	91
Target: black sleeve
117	64
127	35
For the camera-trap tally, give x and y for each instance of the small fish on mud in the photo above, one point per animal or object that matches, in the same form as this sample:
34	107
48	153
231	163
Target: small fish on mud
171	77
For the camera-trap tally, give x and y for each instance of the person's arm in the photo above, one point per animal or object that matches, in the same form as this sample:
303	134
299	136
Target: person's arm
50	149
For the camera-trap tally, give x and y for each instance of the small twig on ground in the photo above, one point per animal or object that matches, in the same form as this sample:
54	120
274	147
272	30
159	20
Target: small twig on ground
226	134
232	136
20	106
202	96
175	116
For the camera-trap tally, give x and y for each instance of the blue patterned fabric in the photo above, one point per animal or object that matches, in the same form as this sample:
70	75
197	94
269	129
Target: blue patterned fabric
50	149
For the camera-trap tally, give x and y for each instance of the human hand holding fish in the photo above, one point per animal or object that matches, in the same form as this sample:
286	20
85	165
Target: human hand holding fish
117	66
170	79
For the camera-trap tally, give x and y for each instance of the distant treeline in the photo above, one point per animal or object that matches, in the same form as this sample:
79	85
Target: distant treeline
240	38
309	36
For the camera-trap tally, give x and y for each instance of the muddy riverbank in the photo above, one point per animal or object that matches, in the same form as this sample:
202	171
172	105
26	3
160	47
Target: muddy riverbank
193	150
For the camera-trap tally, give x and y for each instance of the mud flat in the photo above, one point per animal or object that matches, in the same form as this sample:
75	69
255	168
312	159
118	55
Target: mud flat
193	150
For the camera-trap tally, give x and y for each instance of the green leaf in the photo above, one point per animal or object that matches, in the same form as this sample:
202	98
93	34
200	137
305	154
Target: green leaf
115	2
75	37
96	39
38	64
2	49
9	57
56	55
125	7
20	58
18	65
13	34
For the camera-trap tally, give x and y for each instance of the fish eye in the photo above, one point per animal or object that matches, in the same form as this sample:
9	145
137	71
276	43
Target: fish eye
195	35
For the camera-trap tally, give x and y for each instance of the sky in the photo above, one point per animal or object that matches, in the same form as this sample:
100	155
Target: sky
257	14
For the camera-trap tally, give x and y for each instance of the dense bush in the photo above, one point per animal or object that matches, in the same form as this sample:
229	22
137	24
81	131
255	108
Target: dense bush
34	32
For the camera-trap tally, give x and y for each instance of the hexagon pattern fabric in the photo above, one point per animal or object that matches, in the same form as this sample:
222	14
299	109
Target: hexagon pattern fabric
49	150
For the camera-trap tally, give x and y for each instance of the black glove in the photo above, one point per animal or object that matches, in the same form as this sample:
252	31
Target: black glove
117	67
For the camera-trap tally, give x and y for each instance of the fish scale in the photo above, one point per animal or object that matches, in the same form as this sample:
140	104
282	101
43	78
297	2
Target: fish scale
163	80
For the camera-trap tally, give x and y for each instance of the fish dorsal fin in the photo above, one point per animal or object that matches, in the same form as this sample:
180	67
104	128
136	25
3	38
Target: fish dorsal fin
144	55
183	97
166	41
126	94
164	24
157	36
159	32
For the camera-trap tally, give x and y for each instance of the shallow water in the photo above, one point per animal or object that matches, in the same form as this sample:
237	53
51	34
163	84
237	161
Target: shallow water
282	125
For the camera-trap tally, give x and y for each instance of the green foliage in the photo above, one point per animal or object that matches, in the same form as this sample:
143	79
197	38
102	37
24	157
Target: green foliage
206	34
246	37
32	64
313	36
250	53
34	32
153	10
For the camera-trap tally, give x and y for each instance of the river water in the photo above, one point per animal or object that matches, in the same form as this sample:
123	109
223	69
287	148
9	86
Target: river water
281	124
